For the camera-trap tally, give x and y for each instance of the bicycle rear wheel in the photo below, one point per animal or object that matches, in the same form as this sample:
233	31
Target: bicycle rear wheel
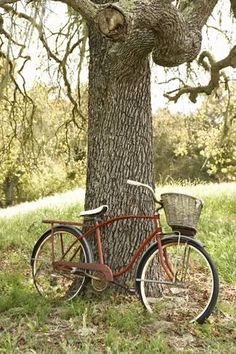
193	292
52	283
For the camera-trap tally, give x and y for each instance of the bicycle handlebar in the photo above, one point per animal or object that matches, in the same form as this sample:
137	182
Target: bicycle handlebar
139	184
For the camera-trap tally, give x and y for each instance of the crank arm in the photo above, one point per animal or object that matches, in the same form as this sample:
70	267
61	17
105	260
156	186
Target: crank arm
77	271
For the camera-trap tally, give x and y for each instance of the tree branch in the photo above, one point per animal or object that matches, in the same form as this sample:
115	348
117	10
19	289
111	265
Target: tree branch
215	72
233	7
86	8
108	18
196	13
182	42
61	62
173	35
4	2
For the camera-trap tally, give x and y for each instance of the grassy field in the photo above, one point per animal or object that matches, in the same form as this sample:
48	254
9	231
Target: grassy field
108	322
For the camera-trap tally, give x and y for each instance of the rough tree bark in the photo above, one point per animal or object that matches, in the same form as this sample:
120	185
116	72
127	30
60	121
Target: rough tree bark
119	148
122	35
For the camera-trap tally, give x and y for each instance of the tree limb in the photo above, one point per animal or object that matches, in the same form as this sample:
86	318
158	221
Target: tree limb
4	2
215	72
196	13
61	62
86	8
141	27
233	7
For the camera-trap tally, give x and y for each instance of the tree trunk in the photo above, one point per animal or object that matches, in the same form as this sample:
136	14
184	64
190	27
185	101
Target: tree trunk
119	148
9	185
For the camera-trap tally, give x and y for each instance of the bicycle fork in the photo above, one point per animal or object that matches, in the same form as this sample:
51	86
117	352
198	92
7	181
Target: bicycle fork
175	266
179	266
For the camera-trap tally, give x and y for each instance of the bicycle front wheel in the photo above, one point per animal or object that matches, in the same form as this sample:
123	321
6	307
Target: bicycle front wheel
190	291
62	245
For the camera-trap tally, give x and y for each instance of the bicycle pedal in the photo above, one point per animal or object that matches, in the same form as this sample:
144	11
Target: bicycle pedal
132	291
78	272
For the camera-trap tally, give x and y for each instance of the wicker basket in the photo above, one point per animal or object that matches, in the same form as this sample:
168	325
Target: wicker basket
182	211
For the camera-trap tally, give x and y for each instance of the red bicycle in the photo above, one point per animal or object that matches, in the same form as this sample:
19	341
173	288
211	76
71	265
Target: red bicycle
174	274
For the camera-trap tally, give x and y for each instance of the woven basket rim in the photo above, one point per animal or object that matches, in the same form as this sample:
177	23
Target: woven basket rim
182	194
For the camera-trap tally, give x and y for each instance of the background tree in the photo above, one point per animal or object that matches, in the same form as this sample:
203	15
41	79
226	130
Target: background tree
40	155
198	146
43	133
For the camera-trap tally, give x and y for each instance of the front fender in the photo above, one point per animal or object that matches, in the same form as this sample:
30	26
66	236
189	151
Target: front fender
187	238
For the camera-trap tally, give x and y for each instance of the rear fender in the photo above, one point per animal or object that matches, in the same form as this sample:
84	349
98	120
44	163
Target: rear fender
87	243
68	228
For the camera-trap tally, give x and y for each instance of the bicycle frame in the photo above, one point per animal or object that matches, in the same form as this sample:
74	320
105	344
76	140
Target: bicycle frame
62	261
101	266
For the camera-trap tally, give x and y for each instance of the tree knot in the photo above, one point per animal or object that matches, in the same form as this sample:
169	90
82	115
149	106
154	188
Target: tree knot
111	22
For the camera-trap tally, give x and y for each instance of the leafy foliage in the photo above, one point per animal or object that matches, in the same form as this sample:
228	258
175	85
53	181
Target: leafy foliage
200	146
43	153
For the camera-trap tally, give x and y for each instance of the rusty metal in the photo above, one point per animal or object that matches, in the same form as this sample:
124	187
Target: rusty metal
64	254
95	267
136	255
168	264
157	231
64	222
162	259
99	281
52	243
101	266
117	218
131	291
99	244
162	254
62	244
99	224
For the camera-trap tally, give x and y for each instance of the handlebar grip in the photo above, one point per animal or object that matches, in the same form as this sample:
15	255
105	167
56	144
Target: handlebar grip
139	184
134	183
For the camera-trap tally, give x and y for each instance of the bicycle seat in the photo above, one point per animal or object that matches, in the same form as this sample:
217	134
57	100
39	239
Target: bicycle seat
94	212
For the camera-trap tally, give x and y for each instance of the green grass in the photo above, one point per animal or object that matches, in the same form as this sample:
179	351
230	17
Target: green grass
217	231
107	322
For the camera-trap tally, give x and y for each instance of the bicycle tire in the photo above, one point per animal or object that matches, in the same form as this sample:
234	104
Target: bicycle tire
49	282
196	301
